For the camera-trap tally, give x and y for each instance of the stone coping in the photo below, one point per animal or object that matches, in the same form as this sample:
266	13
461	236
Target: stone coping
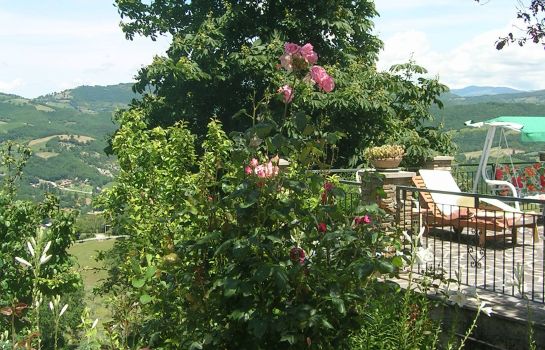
391	175
503	306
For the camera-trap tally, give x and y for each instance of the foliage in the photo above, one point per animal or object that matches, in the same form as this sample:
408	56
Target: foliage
90	224
384	152
221	61
386	317
229	250
40	275
533	16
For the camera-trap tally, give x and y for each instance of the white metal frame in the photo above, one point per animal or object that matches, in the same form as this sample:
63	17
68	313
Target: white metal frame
481	170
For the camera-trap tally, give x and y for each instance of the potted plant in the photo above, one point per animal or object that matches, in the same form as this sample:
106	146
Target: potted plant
385	157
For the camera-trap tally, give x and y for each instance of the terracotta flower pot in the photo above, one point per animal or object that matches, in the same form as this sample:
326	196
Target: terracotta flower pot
387	163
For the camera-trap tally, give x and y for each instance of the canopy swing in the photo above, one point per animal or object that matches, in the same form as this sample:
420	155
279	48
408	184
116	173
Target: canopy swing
531	128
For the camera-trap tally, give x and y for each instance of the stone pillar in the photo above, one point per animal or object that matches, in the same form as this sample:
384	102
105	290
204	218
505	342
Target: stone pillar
439	163
371	180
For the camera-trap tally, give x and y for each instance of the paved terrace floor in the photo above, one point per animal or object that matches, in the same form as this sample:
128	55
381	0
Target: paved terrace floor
492	267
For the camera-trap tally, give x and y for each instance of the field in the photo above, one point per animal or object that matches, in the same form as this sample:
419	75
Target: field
92	273
495	152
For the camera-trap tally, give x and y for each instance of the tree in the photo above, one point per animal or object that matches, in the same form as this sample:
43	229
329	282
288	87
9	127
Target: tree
533	17
222	61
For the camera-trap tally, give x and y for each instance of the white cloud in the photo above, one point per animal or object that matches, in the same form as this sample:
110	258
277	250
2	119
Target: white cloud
474	62
409	4
52	54
11	85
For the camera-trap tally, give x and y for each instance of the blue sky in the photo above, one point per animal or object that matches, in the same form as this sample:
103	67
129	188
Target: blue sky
51	45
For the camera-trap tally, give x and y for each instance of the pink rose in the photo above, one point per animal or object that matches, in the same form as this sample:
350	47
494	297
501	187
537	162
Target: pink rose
318	74
248	170
269	169
260	171
358	220
328	84
286	63
254	162
291	48
307	51
287	91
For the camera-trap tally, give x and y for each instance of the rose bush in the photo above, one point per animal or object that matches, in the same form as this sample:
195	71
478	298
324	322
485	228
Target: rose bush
231	249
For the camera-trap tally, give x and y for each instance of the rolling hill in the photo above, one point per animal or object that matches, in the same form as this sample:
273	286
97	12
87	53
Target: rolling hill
483	90
67	132
459	109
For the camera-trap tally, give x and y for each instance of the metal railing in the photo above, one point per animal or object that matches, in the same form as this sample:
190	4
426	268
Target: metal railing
464	174
477	243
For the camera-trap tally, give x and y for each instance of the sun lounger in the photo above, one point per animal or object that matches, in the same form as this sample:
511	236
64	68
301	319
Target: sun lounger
491	218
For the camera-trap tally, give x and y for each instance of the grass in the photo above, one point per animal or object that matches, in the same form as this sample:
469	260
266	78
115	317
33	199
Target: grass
46	155
43	108
92	273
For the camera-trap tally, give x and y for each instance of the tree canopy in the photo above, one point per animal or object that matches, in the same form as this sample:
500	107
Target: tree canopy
222	60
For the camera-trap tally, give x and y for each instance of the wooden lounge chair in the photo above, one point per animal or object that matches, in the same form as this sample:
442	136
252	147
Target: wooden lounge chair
492	219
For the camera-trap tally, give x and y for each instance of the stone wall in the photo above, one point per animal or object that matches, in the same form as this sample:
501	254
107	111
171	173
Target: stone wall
400	208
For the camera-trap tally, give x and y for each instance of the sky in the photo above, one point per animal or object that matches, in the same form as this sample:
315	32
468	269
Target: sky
52	45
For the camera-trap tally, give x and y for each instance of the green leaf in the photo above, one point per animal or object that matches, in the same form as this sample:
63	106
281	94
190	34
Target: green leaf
263	130
262	273
364	270
339	303
280	277
300	121
237	315
274	239
290	338
195	346
145	298
326	324
397	261
150	271
258	327
385	267
138	283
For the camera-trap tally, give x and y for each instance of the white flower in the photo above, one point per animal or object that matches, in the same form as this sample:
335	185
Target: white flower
487	310
30	248
47	246
44	259
51	306
94	324
418	237
420	234
423	255
23	261
407	237
458	298
33	241
63	310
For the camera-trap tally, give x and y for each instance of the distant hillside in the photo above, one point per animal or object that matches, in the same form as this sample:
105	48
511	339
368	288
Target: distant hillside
67	132
531	97
473	90
90	99
458	109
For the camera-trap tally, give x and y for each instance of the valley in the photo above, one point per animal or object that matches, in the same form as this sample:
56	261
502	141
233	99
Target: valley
68	132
